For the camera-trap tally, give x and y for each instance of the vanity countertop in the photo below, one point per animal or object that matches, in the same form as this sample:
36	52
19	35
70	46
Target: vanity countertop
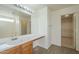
20	40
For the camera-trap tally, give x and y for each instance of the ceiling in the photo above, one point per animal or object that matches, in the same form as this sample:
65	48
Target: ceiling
59	6
34	6
51	6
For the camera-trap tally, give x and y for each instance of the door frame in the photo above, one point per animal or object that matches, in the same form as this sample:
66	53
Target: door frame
74	31
74	22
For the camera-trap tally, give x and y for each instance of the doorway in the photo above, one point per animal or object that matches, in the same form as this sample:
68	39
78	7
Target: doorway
67	31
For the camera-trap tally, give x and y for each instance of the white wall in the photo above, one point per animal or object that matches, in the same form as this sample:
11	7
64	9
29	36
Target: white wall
39	24
39	21
56	30
56	23
49	16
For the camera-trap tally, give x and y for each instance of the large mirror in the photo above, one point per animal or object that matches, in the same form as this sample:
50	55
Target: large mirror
13	23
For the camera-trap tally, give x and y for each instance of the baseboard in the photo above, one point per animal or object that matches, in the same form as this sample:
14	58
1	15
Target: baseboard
56	45
45	47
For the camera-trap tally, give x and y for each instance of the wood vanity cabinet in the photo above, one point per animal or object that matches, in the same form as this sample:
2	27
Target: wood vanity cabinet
25	48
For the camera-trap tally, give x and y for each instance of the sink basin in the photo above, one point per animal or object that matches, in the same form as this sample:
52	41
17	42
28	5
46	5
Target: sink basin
14	42
9	44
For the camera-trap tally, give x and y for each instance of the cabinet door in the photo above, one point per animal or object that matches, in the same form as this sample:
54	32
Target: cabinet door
14	50
9	51
27	48
18	49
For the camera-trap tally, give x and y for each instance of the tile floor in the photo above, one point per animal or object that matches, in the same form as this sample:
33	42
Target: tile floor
54	50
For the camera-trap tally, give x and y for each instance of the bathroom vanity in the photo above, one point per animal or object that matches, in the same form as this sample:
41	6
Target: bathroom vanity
23	45
25	48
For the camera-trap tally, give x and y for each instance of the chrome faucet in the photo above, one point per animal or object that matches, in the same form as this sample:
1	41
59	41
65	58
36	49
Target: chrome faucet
14	39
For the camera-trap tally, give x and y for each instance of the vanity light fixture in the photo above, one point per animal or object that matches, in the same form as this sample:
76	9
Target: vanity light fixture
6	20
23	7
